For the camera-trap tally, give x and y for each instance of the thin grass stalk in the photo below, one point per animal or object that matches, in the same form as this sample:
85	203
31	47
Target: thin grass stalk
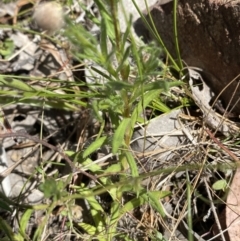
176	34
114	11
189	212
154	32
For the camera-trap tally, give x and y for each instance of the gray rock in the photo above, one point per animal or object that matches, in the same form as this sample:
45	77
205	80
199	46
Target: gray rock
161	135
20	185
129	9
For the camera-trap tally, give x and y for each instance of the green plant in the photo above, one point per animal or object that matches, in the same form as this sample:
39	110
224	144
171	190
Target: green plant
6	48
132	78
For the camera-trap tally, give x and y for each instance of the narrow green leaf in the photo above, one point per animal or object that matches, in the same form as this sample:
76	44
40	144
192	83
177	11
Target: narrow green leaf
119	85
95	168
115	216
103	38
136	56
147	97
16	84
132	164
164	85
160	106
38	102
88	228
94	146
94	204
127	32
134	203
131	185
114	168
124	60
25	220
5	206
125	70
91	165
119	135
109	26
154	199
96	210
98	216
6	229
176	39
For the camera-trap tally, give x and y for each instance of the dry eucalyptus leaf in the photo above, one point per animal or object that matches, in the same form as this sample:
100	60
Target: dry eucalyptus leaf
203	95
233	208
229	219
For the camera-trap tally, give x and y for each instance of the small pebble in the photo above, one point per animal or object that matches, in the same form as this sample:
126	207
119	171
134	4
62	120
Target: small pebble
49	16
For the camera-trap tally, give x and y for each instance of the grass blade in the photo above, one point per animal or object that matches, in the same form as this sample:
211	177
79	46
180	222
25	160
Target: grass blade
94	146
118	137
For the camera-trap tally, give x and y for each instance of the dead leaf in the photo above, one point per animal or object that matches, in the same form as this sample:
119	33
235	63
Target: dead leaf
202	95
60	57
230	217
20	4
233	208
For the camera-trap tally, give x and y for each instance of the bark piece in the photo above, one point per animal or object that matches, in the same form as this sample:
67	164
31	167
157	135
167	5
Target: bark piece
208	35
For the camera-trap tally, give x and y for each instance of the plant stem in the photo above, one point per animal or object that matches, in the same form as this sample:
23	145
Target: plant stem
176	34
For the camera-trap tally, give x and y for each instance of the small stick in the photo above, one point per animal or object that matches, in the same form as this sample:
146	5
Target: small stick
5	123
214	210
233	156
54	148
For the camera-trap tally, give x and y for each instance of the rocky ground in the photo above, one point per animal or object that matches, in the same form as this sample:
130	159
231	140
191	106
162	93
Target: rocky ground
172	139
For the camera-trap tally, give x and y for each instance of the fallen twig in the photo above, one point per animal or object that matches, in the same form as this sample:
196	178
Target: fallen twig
233	156
75	169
